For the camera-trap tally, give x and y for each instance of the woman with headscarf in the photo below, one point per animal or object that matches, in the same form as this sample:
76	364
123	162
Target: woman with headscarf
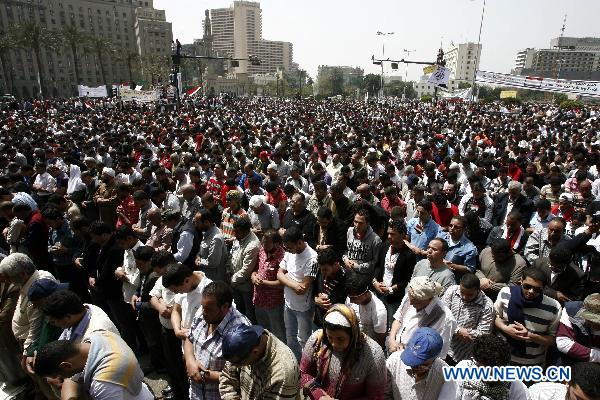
340	362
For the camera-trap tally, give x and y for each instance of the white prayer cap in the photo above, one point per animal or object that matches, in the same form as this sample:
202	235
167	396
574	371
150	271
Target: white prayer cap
108	171
423	288
337	318
256	201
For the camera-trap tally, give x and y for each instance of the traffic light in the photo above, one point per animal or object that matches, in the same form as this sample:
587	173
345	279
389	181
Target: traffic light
235	63
176	58
394	65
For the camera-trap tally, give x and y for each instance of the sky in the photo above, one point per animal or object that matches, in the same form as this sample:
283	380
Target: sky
343	32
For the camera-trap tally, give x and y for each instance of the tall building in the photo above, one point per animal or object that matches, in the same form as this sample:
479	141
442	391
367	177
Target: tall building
237	32
567	58
463	60
134	29
523	60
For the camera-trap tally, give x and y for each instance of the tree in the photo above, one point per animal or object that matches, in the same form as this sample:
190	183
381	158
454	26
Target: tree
130	60
6	44
372	84
155	68
74	39
31	35
101	47
398	88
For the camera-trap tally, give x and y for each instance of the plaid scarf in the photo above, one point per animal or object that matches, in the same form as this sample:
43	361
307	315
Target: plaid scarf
485	391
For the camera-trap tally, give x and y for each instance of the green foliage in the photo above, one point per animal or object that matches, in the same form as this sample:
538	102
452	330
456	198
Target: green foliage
426	98
464	85
372	84
332	83
397	88
511	101
570	104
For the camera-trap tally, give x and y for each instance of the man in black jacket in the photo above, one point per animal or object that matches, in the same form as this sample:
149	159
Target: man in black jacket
299	216
566	279
330	232
514	200
393	272
107	289
147	316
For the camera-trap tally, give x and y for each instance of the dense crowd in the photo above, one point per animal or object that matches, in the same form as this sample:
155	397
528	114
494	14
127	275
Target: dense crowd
284	249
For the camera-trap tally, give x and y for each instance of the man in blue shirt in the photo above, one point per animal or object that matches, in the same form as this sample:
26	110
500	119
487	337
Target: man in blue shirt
422	229
462	253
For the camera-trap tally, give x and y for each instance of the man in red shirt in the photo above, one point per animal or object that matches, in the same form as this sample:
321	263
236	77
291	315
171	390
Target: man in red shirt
443	210
391	199
276	198
217	180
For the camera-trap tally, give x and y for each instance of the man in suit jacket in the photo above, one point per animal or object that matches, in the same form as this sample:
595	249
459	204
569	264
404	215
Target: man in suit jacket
566	279
514	200
330	232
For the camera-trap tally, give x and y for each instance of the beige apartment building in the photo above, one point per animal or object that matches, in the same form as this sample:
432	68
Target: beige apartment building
237	32
136	31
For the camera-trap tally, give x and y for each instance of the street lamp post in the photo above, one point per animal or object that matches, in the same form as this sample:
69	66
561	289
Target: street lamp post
406	73
477	51
383	34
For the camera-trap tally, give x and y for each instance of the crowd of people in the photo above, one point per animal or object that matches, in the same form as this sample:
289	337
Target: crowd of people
285	249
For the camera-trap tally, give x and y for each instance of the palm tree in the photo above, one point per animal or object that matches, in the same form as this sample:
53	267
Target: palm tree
131	60
73	38
102	47
31	35
6	44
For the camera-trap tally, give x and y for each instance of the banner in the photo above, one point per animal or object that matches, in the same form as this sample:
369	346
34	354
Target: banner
86	91
429	69
508	94
440	77
462	94
142	96
581	88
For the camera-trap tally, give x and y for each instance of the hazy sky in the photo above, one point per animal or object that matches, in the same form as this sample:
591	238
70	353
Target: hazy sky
343	32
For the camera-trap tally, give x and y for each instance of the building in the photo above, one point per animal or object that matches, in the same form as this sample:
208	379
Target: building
392	78
523	60
567	58
237	32
424	88
133	28
463	60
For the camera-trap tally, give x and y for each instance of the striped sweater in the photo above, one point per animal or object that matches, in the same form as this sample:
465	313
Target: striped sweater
542	320
111	360
274	376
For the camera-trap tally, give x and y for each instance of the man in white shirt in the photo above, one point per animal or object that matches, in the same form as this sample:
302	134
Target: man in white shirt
44	182
416	373
163	301
128	273
421	307
297	271
371	312
188	286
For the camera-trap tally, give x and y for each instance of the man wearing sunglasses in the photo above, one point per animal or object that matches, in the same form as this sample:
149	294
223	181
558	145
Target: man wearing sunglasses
527	318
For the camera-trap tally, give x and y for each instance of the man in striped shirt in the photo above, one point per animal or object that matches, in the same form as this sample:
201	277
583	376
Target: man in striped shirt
202	349
527	318
259	366
474	313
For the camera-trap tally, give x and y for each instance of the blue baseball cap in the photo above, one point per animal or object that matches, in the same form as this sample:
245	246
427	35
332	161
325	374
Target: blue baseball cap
425	344
241	340
43	288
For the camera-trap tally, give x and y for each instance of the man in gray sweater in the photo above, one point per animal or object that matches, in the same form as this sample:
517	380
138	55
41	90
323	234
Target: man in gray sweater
434	266
363	245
